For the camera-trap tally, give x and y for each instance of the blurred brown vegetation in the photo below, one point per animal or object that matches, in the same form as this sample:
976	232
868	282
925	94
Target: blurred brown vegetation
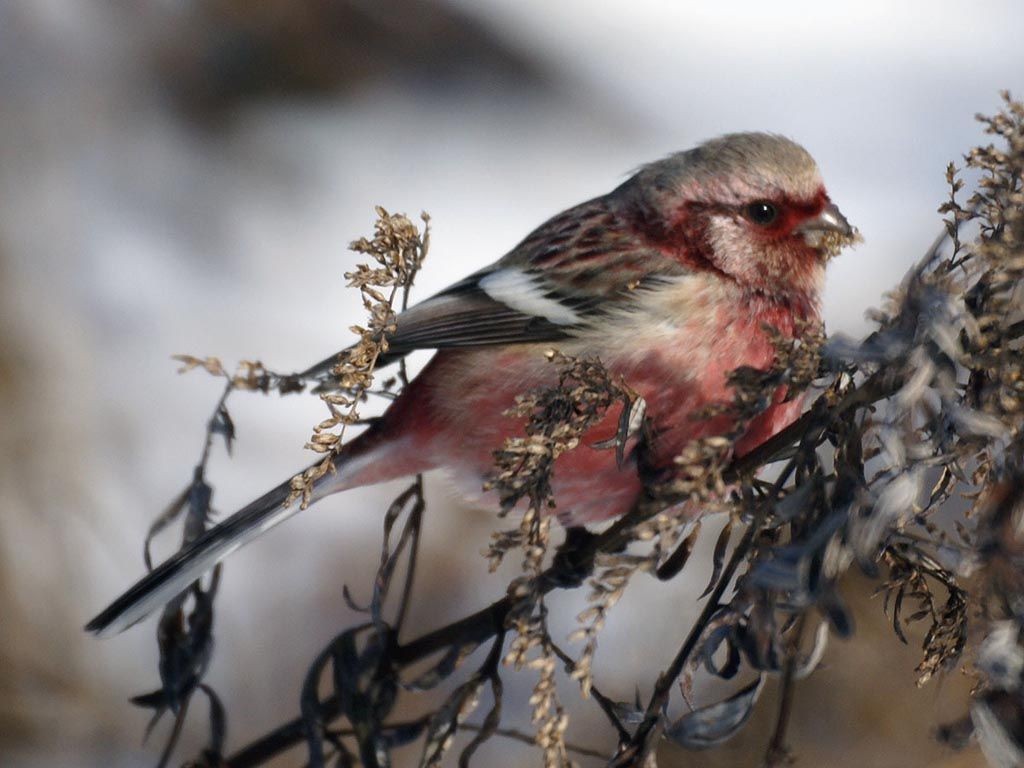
225	53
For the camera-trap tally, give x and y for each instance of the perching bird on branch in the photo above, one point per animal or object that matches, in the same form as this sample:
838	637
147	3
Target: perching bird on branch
669	279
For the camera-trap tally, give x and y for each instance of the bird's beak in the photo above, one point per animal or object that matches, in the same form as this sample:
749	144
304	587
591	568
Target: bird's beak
828	226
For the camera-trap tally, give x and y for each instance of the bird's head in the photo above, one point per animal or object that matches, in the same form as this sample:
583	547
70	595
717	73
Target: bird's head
749	205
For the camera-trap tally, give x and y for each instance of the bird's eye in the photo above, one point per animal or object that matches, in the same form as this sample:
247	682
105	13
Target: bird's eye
762	213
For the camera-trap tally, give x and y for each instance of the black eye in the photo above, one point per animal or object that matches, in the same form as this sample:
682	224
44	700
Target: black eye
761	212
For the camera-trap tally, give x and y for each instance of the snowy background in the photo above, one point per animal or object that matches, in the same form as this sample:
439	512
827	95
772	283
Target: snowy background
185	177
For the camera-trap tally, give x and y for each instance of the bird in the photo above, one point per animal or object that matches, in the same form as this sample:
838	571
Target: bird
671	280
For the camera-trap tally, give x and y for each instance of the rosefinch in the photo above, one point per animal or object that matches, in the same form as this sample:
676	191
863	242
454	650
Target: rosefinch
669	279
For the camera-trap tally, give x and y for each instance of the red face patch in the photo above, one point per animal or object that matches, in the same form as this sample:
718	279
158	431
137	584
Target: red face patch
786	214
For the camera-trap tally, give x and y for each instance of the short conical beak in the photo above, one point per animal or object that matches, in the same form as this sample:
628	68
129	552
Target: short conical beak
830	220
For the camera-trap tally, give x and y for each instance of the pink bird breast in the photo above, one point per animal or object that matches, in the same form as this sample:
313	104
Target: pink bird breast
452	415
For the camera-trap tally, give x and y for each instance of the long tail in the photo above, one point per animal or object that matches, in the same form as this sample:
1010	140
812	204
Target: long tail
173	576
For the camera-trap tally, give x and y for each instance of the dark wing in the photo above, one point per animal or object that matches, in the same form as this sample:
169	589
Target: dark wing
466	315
550	285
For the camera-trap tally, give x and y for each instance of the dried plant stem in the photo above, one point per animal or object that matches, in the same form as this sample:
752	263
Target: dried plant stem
607	705
528	738
646	736
777	753
415	526
280	740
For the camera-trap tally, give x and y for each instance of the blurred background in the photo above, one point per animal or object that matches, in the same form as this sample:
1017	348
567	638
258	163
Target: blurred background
184	177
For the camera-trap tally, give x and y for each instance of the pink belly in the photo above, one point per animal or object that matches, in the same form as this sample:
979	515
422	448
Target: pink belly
455	407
